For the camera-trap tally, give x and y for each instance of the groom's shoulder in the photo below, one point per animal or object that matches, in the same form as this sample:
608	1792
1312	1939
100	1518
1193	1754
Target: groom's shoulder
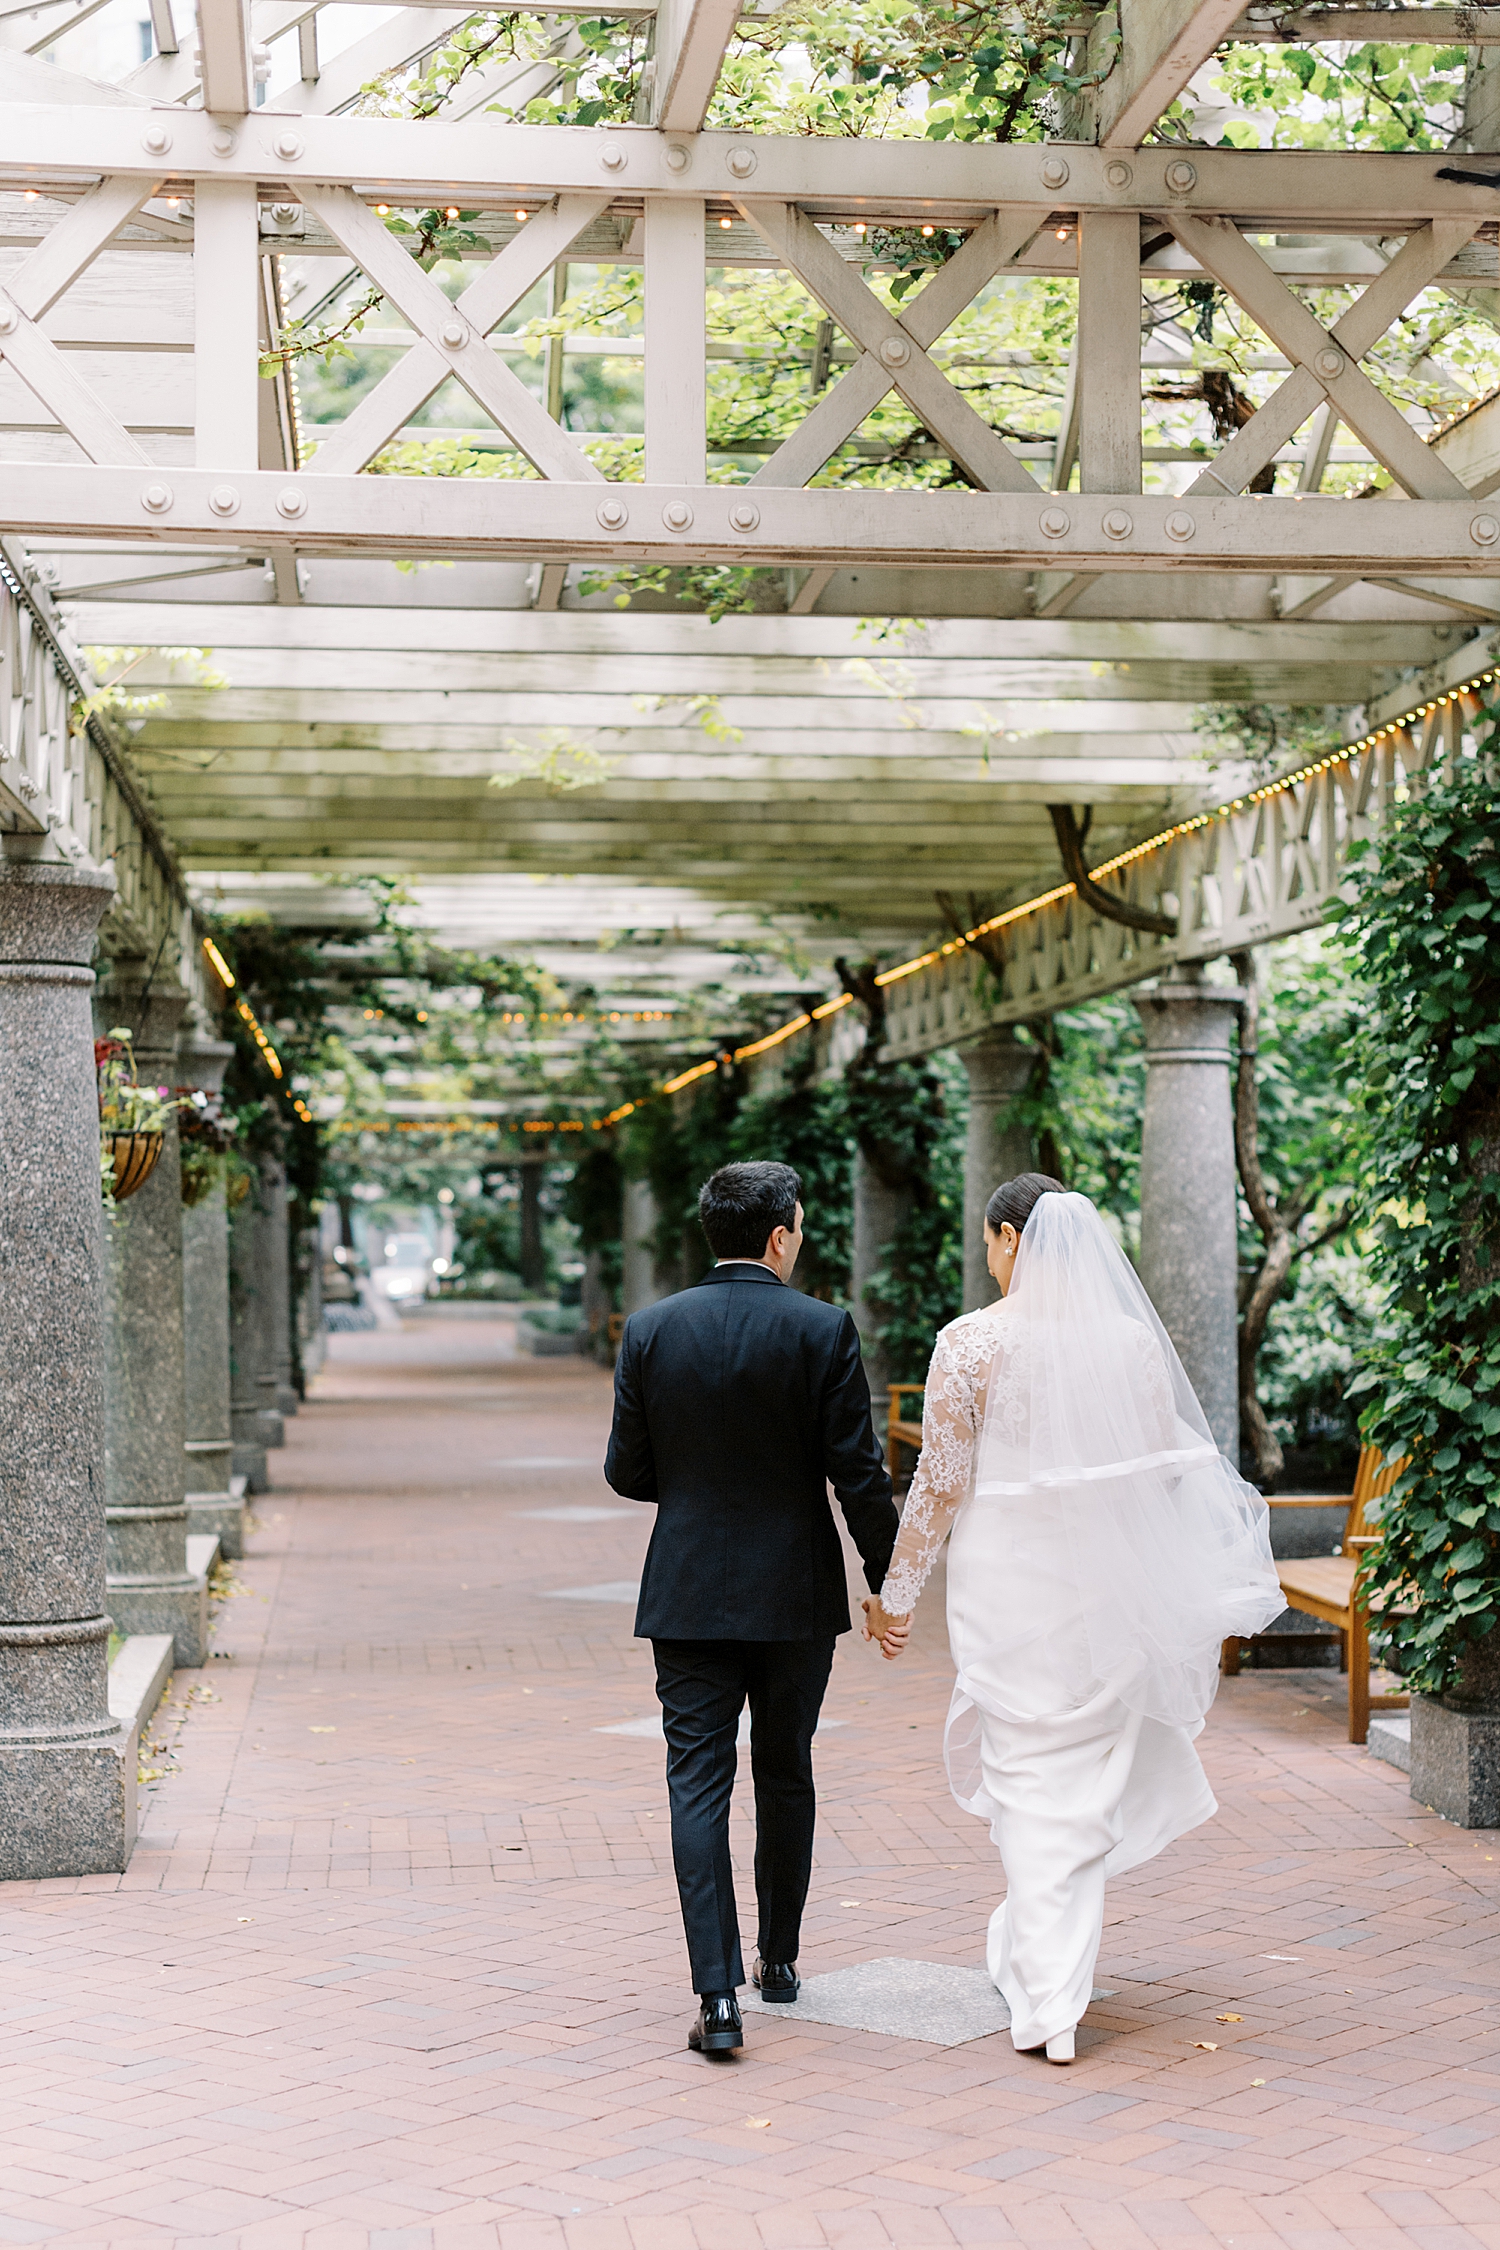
782	1307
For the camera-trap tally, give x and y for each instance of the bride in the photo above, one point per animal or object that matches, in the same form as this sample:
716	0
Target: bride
1102	1550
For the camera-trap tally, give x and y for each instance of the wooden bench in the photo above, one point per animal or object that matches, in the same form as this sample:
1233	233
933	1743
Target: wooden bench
898	1430
1325	1586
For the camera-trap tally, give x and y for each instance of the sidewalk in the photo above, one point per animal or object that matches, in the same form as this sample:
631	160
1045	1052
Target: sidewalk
397	1964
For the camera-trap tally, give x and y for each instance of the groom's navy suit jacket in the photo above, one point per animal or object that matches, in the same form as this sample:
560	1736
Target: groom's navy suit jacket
737	1403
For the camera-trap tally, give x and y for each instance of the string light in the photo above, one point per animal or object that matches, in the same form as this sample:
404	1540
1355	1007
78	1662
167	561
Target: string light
1014	914
272	1059
219	965
726	224
522	216
382	210
451	212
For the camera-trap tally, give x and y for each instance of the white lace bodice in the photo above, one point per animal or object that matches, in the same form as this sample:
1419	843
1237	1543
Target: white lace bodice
985	1348
952	1417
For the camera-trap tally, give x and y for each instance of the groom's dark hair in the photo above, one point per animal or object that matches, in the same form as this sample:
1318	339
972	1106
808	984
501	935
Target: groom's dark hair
739	1206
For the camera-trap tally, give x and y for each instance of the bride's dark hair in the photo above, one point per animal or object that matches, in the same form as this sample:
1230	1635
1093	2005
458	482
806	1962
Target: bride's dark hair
1013	1203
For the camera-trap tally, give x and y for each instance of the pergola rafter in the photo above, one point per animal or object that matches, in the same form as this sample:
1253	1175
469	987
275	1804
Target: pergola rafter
232	489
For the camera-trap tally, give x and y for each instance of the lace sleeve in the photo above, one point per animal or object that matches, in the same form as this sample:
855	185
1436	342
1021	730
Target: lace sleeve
951	1416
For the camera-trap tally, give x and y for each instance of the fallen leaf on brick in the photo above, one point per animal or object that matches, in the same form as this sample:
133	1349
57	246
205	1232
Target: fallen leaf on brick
1257	2082
322	1730
758	2124
1209	2046
848	1902
1229	2019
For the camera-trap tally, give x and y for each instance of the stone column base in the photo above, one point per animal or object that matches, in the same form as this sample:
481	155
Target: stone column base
1455	1762
176	1604
66	1808
250	1463
221	1515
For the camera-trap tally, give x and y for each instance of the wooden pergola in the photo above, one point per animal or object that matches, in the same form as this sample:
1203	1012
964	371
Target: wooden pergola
158	493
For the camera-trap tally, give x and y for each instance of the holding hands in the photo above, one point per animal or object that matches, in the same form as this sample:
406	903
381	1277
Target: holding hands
891	1632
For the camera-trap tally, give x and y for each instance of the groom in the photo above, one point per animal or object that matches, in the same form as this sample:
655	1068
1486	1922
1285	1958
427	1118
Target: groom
737	1403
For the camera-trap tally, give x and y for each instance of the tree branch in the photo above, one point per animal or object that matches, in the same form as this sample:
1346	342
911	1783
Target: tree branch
1070	844
989	944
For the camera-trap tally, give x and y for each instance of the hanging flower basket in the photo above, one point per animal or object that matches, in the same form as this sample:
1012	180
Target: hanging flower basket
132	1158
133	1119
206	1130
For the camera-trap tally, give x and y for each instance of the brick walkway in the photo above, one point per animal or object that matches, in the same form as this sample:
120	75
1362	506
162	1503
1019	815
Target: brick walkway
397	1965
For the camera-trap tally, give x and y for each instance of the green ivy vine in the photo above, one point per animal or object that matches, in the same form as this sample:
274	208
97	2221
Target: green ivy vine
1427	928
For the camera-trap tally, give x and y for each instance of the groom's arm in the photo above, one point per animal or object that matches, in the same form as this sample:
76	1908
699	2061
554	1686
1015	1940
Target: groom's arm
852	1458
630	1464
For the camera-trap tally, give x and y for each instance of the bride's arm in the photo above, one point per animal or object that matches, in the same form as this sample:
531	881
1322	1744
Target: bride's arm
950	1428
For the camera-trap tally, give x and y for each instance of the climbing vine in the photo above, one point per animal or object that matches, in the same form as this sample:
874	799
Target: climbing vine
1427	927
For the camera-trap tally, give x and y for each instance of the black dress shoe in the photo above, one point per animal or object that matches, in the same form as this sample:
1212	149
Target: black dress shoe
777	1981
718	2030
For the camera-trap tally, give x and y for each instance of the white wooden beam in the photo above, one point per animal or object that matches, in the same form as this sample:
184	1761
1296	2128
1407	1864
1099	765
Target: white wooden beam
35	287
1427	27
402	40
452	335
226	296
805	600
1421	256
73	244
423	368
1325	363
226	72
676	366
895	346
692	38
31	78
1108	351
567	520
489	165
1315	460
174	74
1162	42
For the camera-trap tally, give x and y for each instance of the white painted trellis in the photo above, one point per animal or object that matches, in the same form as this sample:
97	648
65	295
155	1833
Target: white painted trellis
1266	867
178	163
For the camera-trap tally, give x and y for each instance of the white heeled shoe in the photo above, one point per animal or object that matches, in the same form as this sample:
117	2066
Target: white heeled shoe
1060	2047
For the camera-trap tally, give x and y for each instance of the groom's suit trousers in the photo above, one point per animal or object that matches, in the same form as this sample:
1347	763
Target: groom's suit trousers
703	1687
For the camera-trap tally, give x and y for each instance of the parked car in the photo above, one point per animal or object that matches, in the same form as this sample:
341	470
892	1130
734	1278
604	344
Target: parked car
406	1269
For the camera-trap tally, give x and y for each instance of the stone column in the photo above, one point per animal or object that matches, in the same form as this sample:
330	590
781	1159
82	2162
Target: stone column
1189	1254
641	1282
1455	1741
67	1802
276	1279
533	1256
594	1304
312	1343
878	1213
254	1422
212	1505
998	1145
152	1585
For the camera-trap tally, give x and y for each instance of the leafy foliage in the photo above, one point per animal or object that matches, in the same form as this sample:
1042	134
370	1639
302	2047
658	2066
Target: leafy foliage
1363	96
1426	925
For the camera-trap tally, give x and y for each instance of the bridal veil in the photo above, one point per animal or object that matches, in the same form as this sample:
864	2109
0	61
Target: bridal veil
1157	1548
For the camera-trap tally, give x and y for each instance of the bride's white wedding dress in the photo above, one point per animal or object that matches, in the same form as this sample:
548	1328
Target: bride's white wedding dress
1102	1549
